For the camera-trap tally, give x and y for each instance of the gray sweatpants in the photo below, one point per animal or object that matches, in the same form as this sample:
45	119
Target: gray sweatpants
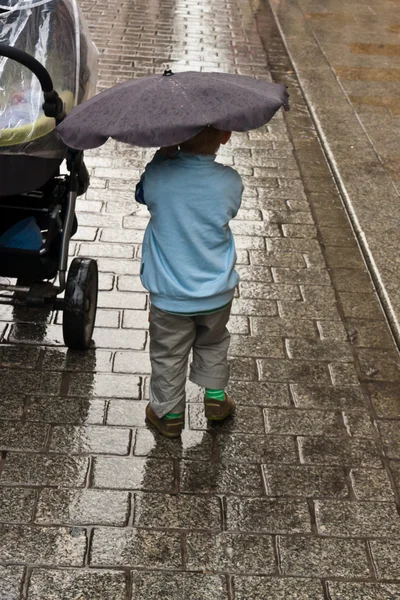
171	339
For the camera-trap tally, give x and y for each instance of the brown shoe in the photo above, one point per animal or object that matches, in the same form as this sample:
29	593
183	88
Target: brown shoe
218	410
171	428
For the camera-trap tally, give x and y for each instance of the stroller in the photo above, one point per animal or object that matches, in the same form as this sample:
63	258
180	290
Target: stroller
48	64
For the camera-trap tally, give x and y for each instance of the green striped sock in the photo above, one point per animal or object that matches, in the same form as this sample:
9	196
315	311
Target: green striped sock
215	395
173	416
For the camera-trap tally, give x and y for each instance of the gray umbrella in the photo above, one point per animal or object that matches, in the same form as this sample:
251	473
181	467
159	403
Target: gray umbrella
168	109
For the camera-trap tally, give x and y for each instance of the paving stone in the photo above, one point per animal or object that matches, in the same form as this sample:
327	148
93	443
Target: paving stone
16	505
311	276
319	350
256	346
268	515
254	307
327	397
43	469
42	545
379	364
253	273
135	548
338	451
257	449
107	318
215	478
277	327
332	330
371	484
24	437
11	582
11	406
319	557
348	280
293	371
244	369
135	319
230	552
311	482
259	394
91	439
390	431
22	356
26	382
243	419
50	584
61	359
385	398
357	305
363	591
308	310
133	474
163	511
343	374
255	588
132	362
126	413
357	519
301	422
131	300
105	385
359	424
82	507
386	556
270	291
192	444
77	411
178	586
277	259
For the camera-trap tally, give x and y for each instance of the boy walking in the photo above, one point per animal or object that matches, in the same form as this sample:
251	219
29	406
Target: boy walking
188	266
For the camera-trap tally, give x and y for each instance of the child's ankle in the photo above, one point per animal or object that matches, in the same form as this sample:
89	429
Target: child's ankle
218	395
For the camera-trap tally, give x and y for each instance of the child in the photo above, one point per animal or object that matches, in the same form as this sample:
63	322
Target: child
188	266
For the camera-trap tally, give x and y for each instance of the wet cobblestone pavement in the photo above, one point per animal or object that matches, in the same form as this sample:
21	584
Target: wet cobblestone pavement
297	496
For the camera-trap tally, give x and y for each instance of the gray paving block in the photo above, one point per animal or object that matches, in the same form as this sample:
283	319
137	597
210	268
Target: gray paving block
319	557
178	586
240	553
11	582
310	482
91	439
162	511
255	588
53	546
16	504
43	469
83	507
364	591
357	519
59	585
268	515
133	473
135	548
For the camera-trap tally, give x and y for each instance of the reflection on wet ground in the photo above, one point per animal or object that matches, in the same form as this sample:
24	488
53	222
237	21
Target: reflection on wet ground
294	497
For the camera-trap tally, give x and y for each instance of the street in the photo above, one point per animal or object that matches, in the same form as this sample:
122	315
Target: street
297	496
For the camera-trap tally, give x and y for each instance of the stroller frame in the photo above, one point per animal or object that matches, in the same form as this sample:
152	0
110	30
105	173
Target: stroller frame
81	283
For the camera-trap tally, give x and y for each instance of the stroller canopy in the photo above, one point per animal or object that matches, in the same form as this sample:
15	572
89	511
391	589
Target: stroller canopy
55	33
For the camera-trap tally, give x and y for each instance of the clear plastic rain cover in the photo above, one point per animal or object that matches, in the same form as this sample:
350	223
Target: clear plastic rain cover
56	34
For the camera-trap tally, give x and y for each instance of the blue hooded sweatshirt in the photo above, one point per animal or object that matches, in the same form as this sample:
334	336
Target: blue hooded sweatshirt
188	256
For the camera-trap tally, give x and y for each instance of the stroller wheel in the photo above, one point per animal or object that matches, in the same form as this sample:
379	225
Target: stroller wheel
80	303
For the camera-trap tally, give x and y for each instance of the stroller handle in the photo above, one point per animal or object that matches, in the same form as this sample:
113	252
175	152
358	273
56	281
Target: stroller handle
53	105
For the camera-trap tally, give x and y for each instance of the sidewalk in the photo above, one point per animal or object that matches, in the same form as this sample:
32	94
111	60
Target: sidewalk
297	496
346	56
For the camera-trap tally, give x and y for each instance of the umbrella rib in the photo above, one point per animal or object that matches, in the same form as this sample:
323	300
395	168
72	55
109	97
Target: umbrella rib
189	98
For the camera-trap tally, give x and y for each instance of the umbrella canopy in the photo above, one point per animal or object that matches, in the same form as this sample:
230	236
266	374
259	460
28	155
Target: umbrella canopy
168	109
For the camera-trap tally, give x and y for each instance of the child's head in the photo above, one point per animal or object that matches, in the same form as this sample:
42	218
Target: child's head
206	142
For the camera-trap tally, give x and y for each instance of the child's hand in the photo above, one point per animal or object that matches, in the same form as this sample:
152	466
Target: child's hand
169	151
